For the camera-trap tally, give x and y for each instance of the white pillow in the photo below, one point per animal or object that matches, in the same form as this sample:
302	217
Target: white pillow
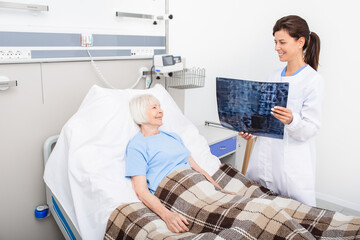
86	170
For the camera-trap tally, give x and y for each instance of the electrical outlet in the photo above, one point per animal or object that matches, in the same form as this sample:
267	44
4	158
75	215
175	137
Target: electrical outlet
15	54
143	74
142	52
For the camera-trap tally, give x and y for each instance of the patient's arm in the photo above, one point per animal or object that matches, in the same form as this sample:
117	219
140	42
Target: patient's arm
197	168
174	221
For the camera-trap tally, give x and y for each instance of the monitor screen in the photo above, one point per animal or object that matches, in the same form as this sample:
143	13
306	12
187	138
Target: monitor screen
168	60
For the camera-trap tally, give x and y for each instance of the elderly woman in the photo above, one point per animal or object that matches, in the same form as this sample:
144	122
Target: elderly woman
152	155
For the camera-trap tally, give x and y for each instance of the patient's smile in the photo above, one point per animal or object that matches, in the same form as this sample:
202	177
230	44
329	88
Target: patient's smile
155	114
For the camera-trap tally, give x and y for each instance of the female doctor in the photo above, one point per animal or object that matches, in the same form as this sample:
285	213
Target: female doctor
287	166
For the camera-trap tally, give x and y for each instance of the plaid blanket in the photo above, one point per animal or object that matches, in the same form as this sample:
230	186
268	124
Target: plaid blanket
255	213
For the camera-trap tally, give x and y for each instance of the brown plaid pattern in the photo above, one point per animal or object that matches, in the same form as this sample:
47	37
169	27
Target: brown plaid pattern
256	213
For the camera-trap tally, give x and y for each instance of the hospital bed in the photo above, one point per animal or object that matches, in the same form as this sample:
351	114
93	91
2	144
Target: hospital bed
84	176
87	162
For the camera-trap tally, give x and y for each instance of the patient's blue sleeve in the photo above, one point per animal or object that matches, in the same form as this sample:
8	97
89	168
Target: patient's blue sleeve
135	162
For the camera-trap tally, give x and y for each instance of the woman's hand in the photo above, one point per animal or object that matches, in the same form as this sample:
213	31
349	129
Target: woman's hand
283	114
246	136
175	222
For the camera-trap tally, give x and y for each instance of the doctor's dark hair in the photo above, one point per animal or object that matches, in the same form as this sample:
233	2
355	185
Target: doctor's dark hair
297	28
138	107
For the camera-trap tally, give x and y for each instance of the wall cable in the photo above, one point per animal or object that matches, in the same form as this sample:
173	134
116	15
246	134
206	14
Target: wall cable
98	72
138	80
103	79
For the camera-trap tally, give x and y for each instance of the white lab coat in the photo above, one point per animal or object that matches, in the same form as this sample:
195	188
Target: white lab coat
287	166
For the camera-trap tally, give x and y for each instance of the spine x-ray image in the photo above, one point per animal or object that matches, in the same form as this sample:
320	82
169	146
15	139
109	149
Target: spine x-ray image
246	105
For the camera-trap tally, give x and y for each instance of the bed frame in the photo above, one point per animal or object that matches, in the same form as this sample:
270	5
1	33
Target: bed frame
67	228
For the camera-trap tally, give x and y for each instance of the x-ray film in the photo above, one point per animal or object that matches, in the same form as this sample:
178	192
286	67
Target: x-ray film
246	105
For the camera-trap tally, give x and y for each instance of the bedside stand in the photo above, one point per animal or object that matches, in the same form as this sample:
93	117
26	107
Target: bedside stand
224	143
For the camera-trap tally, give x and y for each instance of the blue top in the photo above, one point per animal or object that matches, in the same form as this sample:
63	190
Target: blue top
155	157
299	70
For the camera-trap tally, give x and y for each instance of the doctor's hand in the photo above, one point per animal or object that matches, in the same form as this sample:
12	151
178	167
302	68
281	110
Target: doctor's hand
283	114
246	136
175	222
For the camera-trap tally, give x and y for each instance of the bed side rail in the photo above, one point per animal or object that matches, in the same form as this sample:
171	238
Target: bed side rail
67	228
48	146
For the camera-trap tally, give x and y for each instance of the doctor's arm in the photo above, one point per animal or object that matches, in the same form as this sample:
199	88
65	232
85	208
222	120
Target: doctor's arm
305	124
197	168
174	221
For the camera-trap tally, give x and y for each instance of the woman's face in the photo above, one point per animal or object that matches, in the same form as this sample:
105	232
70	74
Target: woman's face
288	48
154	114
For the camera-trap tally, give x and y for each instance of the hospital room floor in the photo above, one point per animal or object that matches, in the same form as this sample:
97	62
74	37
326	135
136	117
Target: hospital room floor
334	207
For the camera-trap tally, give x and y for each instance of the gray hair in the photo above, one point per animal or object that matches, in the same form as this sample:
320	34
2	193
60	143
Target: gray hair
138	107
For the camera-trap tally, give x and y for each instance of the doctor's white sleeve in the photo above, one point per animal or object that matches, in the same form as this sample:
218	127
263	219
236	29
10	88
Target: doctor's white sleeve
306	124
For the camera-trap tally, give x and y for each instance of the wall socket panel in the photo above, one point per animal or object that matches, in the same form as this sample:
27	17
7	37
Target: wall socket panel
142	52
14	54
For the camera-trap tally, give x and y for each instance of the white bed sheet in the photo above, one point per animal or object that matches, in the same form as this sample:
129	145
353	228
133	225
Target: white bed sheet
86	170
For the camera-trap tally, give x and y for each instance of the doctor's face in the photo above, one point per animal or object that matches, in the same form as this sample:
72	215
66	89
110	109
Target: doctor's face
288	48
154	114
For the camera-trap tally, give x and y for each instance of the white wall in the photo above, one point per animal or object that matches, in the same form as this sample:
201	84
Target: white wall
93	17
234	39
